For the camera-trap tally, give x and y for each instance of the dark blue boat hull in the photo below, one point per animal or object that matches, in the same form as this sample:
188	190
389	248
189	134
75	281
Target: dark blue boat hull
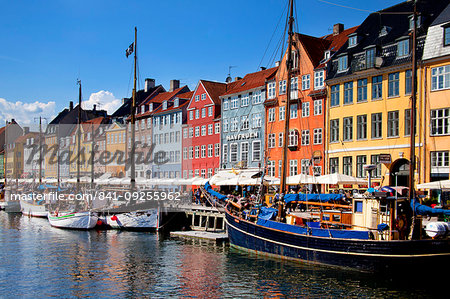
363	255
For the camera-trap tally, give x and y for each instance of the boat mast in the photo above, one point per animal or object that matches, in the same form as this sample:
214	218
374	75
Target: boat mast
288	99
412	163
40	150
79	135
133	120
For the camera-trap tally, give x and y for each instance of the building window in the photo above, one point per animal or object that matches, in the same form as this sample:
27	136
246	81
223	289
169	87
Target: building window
305	109
342	63
334	130
440	122
226	104
334	95
244	100
210	129
318	107
234	102
197	114
197	98
377	87
347	165
348	92
294	111
225	125
271	115
348	128
446	36
185	153
225	153
317	136
217	128
203	96
203	151
408	82
256	150
334	165
440	159
318	79
293	167
294	58
191	115
352	41
407	122
440	77
370	58
197	131
358	206
305	163
234	124
393	124
362	90
280	139
217	149
271	140
233	152
377	125
257	97
282	87
293	137
403	48
271	168
360	162
210	111
256	120
244	122
244	152
197	152
361	127
271	90
393	85
294	88
282	113
204	130
210	172
305	82
375	160
305	137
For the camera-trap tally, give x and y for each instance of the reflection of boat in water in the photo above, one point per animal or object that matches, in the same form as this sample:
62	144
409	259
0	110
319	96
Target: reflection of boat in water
34	208
75	220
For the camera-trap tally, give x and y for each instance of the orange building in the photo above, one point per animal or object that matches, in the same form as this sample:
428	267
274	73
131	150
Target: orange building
307	105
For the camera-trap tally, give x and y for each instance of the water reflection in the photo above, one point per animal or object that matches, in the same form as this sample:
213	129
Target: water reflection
39	259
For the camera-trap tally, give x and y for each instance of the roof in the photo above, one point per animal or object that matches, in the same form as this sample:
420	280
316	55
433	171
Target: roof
165	96
251	81
214	89
96	122
443	17
186	95
141	96
170	108
314	47
336	42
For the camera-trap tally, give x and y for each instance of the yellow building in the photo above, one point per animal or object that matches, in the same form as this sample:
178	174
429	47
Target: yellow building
436	81
368	102
51	158
116	147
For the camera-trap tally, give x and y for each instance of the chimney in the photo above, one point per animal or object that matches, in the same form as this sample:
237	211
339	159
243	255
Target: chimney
174	84
26	130
70	106
338	28
262	68
237	78
149	83
94	108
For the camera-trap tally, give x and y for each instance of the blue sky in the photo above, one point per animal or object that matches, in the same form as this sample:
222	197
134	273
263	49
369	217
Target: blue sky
47	45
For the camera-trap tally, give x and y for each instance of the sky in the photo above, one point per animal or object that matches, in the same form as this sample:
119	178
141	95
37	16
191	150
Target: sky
45	46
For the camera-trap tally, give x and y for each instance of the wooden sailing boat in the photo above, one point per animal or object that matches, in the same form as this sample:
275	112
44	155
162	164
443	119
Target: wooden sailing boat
317	243
73	219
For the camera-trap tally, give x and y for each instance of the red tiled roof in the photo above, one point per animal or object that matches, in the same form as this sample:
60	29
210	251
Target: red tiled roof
163	96
186	95
214	89
23	138
251	81
171	108
92	122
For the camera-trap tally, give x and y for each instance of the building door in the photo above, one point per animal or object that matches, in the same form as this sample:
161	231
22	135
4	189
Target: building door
399	173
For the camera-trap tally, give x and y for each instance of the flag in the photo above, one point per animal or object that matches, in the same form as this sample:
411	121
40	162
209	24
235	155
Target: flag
130	50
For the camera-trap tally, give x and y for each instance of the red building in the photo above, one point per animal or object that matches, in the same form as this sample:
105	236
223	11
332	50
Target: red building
201	133
306	139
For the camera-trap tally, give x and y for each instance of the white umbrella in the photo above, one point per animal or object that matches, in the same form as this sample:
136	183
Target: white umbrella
198	181
444	184
337	178
300	179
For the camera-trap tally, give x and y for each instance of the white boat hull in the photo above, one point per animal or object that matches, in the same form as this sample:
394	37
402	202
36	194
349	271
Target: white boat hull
147	219
32	209
78	220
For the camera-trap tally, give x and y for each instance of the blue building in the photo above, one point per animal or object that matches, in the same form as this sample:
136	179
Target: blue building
243	124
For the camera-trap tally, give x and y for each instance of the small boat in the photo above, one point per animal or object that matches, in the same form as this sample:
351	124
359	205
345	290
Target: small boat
33	208
135	220
75	220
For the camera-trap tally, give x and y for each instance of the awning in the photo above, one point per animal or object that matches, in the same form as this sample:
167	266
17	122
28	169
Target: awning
338	178
444	184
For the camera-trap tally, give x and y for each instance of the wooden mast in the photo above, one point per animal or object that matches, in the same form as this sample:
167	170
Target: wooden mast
79	136
288	99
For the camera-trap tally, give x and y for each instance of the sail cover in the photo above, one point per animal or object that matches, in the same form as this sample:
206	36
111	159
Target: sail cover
267	213
210	190
313	197
426	210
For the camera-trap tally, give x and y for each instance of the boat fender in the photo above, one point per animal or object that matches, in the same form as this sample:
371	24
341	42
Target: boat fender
114	218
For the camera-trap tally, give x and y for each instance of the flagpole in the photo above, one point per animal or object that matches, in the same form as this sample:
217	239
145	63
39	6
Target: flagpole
133	119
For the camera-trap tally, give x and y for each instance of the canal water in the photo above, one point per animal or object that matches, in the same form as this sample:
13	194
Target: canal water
40	261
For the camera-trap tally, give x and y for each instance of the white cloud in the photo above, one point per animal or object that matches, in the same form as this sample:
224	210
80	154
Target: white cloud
105	100
25	113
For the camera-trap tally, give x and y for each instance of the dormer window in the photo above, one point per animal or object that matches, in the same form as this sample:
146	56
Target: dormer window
143	109
150	107
411	22
447	35
403	48
385	31
342	63
164	106
176	102
352	40
327	55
